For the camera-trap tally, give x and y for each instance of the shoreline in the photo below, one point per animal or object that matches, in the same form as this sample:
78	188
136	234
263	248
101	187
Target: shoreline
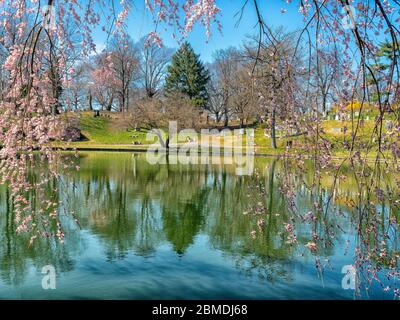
222	152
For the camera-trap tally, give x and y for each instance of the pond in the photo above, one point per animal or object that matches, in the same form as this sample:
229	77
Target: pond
177	231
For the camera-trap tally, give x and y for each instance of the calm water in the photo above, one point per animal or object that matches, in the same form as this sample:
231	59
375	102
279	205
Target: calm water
172	231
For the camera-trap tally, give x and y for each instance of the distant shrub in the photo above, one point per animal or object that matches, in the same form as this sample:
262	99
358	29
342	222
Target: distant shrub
70	131
354	106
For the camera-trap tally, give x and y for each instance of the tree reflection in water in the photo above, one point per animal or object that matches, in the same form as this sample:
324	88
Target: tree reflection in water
133	207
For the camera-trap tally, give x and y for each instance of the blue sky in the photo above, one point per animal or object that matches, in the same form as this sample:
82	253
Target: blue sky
140	23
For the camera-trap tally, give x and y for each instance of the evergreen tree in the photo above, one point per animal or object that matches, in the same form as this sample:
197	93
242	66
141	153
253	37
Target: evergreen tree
187	75
383	60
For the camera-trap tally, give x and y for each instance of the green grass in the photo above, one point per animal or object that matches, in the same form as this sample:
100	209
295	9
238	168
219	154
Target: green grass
364	132
106	132
101	131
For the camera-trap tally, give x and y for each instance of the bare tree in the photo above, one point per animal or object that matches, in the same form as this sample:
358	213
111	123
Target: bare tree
215	104
226	63
124	56
104	82
153	66
77	90
243	98
275	73
156	114
324	75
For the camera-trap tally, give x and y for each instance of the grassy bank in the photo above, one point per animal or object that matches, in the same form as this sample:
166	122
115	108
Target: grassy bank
110	132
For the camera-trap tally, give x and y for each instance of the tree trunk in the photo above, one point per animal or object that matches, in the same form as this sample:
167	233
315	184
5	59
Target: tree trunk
226	116
324	104
164	144
109	104
226	120
273	133
76	102
167	143
90	98
127	100
122	106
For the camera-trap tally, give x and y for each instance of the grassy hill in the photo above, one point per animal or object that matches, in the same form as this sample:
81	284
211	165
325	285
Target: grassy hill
107	130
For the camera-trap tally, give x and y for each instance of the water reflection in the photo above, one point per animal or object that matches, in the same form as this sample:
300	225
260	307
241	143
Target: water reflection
126	207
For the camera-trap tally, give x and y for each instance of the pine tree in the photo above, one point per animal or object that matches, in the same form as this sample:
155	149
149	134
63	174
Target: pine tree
383	60
187	75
